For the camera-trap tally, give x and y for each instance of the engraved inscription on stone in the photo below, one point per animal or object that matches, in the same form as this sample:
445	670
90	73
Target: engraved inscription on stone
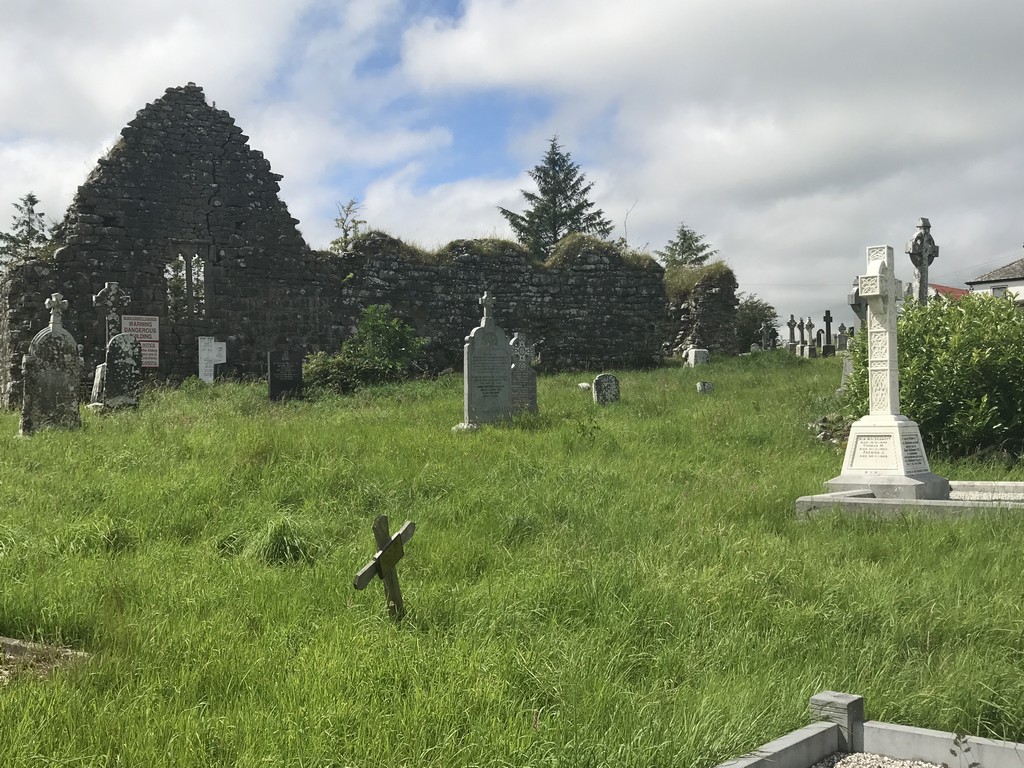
913	455
873	452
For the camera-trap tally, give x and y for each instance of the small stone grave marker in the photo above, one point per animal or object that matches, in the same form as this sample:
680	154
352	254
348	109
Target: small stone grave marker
605	389
284	374
524	378
50	373
695	357
390	549
704	387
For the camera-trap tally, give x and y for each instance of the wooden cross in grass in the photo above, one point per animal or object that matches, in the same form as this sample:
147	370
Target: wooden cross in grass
389	551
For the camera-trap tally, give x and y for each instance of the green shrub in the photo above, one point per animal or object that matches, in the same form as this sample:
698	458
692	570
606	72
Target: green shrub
680	279
571	247
282	542
384	349
961	374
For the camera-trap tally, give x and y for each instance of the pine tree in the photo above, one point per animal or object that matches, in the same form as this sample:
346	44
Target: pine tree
29	237
687	250
559	207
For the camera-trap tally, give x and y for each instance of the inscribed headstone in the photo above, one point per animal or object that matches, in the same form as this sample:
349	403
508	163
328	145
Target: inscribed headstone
207	358
524	378
487	372
50	372
605	389
284	374
695	357
122	380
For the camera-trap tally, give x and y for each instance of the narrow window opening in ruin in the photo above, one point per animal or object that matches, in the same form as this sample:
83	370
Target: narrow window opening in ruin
186	282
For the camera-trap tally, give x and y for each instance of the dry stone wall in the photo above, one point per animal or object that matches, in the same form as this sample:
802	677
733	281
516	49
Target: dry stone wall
186	217
597	313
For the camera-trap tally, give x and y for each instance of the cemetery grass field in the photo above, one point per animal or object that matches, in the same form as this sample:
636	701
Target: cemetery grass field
620	587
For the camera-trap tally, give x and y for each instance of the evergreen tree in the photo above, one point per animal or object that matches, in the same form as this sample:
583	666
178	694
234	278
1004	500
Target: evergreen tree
29	237
559	207
688	249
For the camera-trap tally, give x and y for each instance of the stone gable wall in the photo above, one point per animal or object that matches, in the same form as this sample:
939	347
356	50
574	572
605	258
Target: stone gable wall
183	179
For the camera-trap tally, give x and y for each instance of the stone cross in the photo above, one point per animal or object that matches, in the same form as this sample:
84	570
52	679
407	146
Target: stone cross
791	324
56	304
390	550
113	301
922	251
800	326
487	302
857	304
828	327
881	288
809	325
765	335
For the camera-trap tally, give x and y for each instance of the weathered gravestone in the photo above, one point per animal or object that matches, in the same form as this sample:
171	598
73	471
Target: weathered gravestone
695	357
847	373
122	380
811	350
842	340
284	374
704	387
922	251
111	302
524	378
605	389
50	372
791	345
801	349
487	373
885	453
828	349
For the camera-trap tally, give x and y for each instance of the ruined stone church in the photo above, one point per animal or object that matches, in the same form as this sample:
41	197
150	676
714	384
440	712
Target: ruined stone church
186	217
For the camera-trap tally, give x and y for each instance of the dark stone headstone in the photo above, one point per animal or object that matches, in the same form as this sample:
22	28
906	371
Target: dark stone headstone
284	374
524	378
50	373
605	389
122	378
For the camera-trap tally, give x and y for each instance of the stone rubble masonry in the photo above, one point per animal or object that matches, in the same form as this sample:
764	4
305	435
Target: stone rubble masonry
182	178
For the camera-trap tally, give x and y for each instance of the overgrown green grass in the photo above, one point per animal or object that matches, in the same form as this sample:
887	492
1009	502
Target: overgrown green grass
617	587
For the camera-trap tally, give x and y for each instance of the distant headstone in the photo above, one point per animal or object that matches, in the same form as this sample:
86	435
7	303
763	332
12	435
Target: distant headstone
487	373
695	357
791	344
847	373
828	348
284	374
842	340
524	378
112	301
766	335
50	372
207	358
755	347
122	379
811	350
704	387
885	453
605	389
802	346
583	386
922	251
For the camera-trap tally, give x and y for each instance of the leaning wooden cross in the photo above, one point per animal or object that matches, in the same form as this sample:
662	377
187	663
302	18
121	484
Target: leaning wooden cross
389	551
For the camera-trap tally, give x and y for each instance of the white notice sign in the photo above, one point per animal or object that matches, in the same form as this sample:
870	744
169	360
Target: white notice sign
206	358
145	328
220	351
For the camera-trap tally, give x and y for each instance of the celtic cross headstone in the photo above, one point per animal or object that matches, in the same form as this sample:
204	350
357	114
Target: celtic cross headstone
885	452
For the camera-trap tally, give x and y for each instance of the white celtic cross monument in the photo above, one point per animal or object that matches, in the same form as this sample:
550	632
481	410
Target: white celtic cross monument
885	453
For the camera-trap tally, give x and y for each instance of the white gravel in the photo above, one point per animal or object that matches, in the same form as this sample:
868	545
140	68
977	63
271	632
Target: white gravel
866	760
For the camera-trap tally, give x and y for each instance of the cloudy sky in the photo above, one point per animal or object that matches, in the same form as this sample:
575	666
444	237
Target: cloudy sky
791	133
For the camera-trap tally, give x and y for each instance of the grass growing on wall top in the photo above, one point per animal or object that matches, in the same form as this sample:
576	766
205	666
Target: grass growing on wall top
621	586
